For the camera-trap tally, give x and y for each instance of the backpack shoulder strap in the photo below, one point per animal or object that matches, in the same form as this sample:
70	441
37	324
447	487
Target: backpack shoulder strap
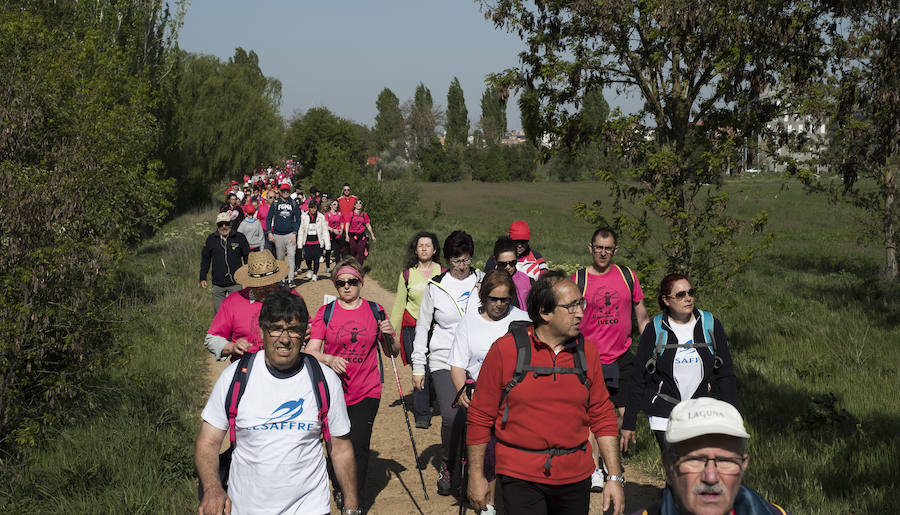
708	325
405	274
523	359
581	362
236	391
329	311
581	280
320	390
628	275
661	335
379	316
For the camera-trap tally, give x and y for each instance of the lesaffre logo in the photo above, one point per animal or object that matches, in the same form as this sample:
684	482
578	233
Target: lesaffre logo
282	419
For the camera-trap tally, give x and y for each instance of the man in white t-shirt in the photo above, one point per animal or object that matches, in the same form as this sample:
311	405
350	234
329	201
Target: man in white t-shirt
277	465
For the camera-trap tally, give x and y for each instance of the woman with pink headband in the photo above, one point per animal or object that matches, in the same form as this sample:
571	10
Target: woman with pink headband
344	336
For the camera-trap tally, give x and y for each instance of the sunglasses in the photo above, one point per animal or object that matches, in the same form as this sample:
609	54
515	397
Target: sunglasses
499	300
507	264
683	293
223	224
340	283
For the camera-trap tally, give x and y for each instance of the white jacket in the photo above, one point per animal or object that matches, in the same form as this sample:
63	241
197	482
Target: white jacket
439	306
321	230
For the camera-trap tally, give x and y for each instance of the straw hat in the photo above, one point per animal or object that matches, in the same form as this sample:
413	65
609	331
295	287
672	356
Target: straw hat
262	269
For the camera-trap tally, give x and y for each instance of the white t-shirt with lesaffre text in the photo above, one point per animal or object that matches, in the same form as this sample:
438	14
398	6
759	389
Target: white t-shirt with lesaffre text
278	465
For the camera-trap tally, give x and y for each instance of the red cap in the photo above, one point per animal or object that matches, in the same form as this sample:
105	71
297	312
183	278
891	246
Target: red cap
233	183
519	230
249	209
284	187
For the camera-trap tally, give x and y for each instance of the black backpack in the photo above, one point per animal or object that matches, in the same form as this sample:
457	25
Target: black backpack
519	330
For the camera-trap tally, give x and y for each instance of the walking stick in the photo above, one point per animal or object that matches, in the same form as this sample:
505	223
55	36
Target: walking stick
388	342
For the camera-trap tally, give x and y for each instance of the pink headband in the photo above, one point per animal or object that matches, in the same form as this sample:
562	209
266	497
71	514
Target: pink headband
347	270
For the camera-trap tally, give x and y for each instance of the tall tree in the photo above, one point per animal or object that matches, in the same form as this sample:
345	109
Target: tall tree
530	115
493	115
700	68
861	104
422	119
308	132
388	130
457	115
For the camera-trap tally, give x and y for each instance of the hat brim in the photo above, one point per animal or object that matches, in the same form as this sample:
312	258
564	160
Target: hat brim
242	276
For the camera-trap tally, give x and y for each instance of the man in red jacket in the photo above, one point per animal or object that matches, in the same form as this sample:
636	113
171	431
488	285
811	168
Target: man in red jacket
543	461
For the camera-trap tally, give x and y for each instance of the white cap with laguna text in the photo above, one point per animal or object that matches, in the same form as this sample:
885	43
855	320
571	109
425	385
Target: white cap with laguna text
704	416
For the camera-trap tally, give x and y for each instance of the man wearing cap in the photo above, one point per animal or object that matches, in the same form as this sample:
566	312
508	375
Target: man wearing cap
226	250
236	189
277	463
283	223
528	261
705	459
234	329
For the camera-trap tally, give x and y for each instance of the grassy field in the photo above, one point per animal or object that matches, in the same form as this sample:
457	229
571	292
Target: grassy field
812	328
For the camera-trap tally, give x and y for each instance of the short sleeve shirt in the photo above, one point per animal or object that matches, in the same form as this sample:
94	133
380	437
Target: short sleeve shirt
607	316
352	334
357	222
278	465
474	337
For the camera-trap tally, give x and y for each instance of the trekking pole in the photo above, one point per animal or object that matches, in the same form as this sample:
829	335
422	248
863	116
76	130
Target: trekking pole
388	342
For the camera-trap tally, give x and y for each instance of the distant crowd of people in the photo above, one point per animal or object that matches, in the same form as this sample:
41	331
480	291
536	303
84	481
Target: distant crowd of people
532	370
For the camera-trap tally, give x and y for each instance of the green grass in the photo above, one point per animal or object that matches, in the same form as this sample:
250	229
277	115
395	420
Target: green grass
812	328
130	448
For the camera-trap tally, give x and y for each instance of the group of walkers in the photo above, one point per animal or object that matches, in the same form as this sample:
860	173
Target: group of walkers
531	370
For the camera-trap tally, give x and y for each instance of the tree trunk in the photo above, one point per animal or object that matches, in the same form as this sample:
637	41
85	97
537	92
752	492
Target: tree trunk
890	243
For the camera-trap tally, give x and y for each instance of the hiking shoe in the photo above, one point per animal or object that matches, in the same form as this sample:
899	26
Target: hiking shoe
423	423
315	278
489	511
597	481
443	482
308	275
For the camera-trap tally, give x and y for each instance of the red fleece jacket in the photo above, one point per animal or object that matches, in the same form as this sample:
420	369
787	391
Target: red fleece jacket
553	411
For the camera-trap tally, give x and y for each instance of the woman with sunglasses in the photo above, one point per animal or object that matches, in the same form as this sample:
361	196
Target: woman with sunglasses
348	343
685	365
444	303
505	259
356	224
335	232
474	336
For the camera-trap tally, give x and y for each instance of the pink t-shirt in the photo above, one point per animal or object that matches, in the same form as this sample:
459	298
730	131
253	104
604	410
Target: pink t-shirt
335	221
351	334
262	212
238	317
523	286
357	222
607	317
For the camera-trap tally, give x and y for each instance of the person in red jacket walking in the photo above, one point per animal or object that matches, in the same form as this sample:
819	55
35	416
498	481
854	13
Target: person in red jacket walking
543	459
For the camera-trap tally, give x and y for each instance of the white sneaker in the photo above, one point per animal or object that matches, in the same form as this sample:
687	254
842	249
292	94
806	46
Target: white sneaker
309	275
489	511
597	481
315	278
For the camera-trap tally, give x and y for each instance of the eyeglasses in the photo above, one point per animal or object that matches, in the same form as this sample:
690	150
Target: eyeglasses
294	333
460	261
340	283
507	264
697	464
573	306
600	248
683	293
499	300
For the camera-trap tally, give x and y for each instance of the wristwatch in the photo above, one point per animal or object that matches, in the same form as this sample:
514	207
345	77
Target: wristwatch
351	511
620	479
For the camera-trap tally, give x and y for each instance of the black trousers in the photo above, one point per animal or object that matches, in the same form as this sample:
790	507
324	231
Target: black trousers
362	419
521	496
421	398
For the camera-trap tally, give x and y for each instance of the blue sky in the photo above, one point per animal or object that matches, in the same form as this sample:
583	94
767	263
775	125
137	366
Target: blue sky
340	54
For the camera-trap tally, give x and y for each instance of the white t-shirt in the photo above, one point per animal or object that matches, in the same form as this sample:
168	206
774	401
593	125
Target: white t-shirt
474	336
278	465
687	369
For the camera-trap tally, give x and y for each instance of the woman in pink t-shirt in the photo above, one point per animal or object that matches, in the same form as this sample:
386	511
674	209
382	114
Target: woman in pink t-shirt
357	223
335	222
347	342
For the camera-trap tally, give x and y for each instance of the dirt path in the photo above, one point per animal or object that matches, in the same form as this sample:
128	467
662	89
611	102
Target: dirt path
393	480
